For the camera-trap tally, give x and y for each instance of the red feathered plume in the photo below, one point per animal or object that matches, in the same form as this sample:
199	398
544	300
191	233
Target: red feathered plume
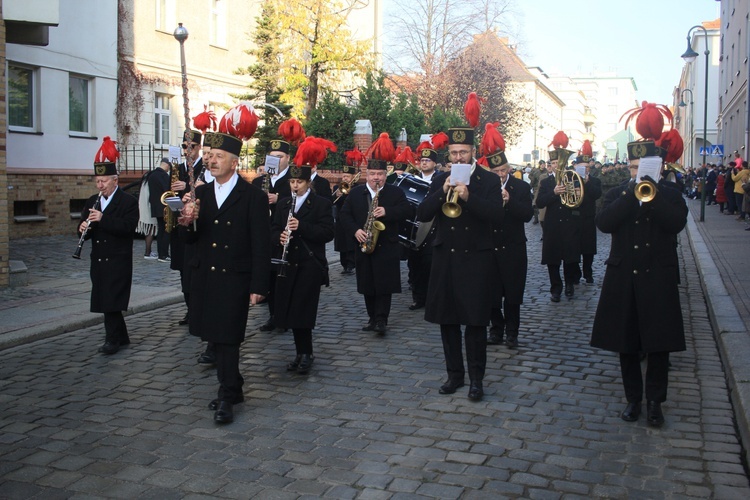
672	142
406	156
472	108
439	140
492	140
382	149
424	145
560	140
313	151
482	160
206	120
586	149
108	152
649	119
355	157
292	132
240	121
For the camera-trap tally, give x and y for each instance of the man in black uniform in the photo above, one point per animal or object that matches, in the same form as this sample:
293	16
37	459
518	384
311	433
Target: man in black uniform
191	144
231	265
561	232
639	306
158	184
509	240
592	191
379	271
344	243
276	185
461	289
109	220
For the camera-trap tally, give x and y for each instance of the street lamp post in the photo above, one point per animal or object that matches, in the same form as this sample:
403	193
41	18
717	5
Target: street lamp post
181	34
692	109
689	56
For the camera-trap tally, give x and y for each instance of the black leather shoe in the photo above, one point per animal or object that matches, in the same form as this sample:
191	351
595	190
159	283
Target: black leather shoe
224	413
654	415
267	326
109	348
511	341
494	339
207	358
379	327
475	391
214	404
589	280
451	386
305	363
555	297
631	412
294	364
368	327
184	321
569	290
416	305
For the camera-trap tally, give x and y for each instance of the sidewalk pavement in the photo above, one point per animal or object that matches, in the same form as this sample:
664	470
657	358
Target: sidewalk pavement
368	421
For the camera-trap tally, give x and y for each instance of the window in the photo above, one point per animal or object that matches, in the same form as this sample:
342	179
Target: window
165	15
218	24
20	98
78	105
612	90
162	116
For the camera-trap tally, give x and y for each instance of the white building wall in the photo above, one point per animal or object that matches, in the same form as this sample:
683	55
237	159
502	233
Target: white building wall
734	92
84	44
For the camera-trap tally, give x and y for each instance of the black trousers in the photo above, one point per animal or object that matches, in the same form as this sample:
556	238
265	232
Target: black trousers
228	372
419	263
657	376
271	294
347	259
162	239
570	271
588	266
509	322
378	307
303	340
476	351
116	331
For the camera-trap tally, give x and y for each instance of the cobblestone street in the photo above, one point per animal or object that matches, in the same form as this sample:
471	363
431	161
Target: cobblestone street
368	421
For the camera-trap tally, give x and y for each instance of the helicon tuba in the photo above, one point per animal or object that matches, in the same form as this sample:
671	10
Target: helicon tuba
170	218
569	179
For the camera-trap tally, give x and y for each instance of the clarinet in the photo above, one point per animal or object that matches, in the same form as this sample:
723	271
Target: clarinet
77	253
282	262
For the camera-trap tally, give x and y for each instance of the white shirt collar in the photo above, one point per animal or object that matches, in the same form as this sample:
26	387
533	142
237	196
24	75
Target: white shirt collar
221	191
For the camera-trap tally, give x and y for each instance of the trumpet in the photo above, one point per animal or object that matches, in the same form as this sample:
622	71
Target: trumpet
451	208
77	253
646	191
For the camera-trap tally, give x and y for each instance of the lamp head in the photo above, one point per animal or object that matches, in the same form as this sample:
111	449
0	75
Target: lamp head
181	33
682	103
690	55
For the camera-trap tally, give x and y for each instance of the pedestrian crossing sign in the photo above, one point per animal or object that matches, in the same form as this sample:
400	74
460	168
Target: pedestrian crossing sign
715	150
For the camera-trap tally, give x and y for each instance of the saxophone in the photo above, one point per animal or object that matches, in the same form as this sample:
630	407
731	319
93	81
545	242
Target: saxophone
170	219
372	226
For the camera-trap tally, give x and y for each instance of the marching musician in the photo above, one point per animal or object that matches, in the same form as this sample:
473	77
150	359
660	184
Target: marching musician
593	190
639	307
191	147
109	220
231	264
460	289
158	183
509	240
344	243
561	231
305	232
378	272
276	184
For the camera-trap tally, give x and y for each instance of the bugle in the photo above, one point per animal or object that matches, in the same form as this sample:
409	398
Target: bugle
451	208
77	253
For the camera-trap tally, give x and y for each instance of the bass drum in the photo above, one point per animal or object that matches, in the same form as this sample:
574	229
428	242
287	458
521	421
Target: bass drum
411	233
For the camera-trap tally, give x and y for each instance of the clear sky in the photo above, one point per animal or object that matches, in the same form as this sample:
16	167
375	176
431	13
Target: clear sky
642	39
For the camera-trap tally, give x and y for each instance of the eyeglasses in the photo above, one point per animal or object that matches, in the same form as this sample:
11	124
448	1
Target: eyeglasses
460	153
192	146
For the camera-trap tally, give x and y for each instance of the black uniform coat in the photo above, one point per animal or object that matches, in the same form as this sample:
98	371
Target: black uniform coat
378	273
592	191
177	247
232	260
112	252
158	184
321	187
343	241
562	226
639	305
463	266
509	240
297	295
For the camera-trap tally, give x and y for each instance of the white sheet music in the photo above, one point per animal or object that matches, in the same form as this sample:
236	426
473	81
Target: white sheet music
649	166
460	172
